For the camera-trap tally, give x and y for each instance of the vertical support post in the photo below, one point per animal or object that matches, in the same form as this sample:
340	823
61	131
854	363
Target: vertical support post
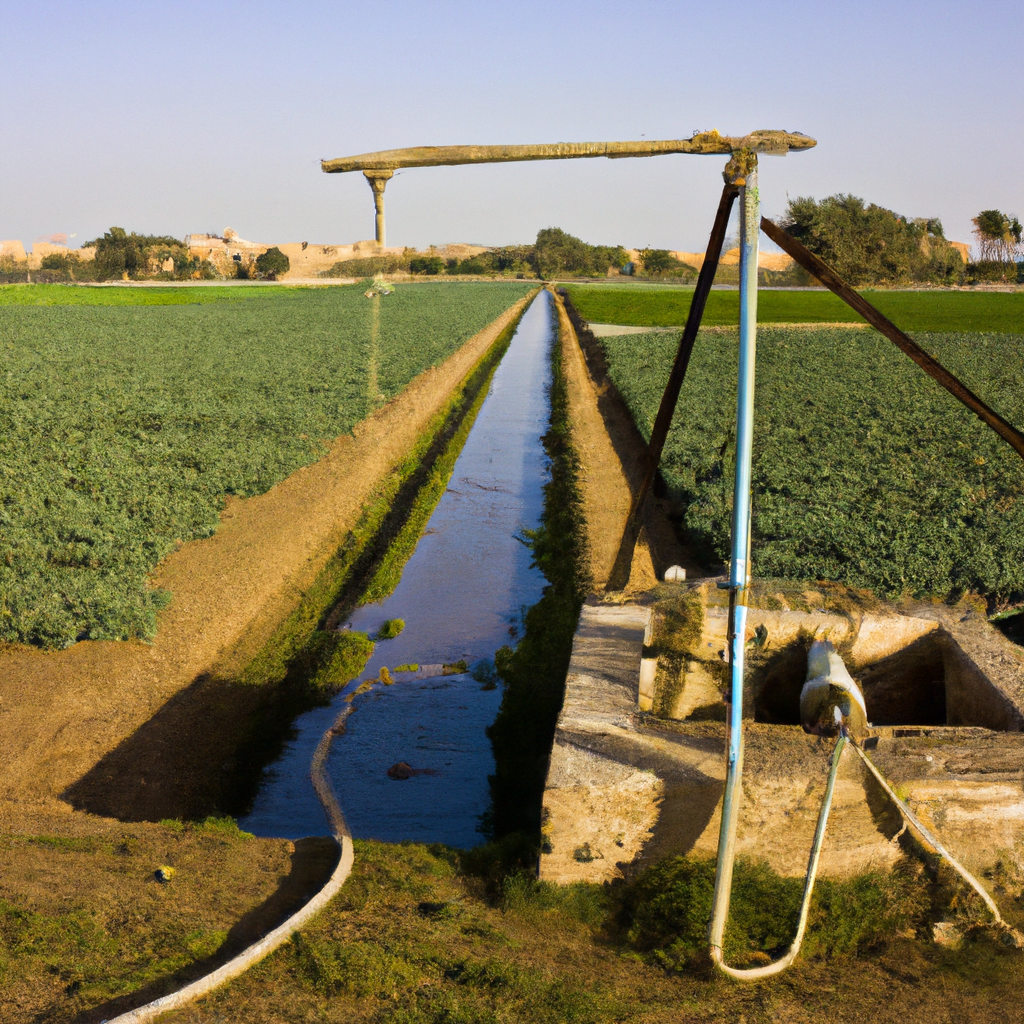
378	180
739	566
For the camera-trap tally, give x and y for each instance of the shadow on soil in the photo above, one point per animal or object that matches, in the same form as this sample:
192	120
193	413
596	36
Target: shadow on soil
203	753
312	864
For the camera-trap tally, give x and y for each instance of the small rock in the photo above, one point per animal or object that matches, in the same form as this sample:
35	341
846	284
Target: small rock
945	933
400	771
675	574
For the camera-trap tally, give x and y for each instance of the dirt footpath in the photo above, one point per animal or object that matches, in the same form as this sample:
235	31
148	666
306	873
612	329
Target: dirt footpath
612	460
60	712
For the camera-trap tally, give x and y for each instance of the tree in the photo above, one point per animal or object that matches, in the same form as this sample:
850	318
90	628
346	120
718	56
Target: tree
868	244
272	263
557	252
998	235
429	265
661	261
119	253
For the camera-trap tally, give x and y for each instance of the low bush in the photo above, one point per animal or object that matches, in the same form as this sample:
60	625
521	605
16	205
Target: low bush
665	911
429	265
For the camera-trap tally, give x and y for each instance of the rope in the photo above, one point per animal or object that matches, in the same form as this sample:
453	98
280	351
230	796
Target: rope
755	973
929	837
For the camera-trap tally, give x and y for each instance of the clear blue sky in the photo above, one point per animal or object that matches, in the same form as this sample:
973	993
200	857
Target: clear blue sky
177	117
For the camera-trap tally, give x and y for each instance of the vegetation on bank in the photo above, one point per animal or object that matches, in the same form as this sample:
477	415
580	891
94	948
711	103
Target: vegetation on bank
865	470
122	428
910	311
422	935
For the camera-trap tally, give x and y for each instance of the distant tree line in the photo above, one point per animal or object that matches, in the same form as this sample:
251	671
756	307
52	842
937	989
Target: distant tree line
554	254
868	244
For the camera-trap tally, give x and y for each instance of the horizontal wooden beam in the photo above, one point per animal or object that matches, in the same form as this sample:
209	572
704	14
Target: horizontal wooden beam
705	143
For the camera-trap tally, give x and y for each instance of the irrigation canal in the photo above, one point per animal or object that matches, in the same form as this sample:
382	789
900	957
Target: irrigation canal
462	596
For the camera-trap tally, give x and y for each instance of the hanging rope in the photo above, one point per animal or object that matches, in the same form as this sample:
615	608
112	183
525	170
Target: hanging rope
777	966
929	837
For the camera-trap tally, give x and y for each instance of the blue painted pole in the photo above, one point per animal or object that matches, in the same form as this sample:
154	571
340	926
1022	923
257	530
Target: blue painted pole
739	566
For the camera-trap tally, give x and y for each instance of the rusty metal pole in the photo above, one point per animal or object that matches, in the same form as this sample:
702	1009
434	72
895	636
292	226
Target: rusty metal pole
619	576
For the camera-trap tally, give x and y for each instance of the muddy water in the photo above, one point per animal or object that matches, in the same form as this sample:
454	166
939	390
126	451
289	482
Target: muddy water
462	596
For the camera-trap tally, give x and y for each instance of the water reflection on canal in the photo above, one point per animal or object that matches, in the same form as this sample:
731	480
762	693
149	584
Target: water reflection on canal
462	596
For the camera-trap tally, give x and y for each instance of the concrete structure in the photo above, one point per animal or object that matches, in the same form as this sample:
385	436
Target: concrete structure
628	786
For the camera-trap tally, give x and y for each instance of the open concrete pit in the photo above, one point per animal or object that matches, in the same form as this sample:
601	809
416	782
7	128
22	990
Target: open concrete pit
638	768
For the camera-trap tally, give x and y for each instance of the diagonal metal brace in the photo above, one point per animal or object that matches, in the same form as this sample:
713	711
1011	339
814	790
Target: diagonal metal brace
659	432
956	387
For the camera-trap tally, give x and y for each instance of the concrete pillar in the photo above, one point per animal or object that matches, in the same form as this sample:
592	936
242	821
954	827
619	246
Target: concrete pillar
377	180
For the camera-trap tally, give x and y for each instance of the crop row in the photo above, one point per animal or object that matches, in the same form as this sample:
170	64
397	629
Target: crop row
865	470
122	428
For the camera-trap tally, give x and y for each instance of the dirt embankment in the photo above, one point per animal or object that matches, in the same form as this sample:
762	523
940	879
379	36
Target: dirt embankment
613	457
61	712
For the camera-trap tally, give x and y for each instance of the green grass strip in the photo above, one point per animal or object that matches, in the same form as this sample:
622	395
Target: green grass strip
911	311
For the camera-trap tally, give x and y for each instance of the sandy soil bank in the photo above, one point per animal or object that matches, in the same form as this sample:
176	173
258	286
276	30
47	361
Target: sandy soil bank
612	458
61	712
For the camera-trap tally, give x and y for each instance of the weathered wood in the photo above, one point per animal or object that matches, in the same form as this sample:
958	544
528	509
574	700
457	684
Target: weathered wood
659	432
828	277
701	143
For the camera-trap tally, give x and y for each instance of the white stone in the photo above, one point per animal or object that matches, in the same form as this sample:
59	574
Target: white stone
675	574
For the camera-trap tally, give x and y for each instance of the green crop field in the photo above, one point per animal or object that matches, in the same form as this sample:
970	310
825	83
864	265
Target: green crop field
127	415
645	306
865	470
132	295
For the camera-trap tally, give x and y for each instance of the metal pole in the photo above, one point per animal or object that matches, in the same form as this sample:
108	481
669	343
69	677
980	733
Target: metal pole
739	567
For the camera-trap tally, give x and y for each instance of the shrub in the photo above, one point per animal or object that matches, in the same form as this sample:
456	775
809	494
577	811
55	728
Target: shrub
993	272
661	263
868	244
390	629
426	265
333	659
272	263
119	253
367	266
558	253
665	910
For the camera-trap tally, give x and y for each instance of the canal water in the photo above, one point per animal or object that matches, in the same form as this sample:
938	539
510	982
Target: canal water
462	595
